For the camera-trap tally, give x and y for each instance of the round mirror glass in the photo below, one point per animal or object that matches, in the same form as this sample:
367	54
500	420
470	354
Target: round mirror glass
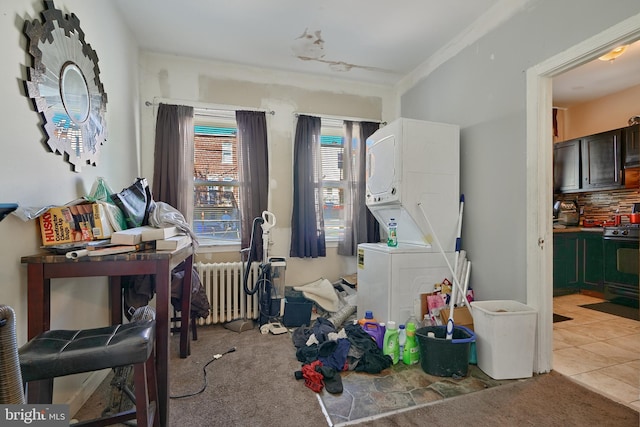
64	85
74	92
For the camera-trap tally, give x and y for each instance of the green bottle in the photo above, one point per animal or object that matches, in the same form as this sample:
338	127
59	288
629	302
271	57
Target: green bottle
411	354
390	345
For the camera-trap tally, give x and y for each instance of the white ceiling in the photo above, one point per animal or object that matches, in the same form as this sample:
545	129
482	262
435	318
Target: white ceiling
374	41
598	78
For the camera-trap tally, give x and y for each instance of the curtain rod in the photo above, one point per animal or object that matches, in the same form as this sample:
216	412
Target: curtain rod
351	119
195	105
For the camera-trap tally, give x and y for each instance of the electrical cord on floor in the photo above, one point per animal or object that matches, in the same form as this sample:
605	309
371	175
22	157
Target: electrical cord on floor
204	370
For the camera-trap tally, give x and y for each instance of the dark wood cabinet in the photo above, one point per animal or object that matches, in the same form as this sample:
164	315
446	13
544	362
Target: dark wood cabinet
566	166
592	262
632	147
601	157
565	263
578	262
603	161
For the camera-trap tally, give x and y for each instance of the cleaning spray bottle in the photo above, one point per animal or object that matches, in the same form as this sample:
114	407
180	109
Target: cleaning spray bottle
391	346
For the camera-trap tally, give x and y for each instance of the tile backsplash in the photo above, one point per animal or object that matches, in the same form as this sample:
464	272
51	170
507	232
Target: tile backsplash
602	205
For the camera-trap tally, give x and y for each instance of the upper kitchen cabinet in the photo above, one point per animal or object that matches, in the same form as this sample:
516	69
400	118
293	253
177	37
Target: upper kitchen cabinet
632	146
601	156
566	166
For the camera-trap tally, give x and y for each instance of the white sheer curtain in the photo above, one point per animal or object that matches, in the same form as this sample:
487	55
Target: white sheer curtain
360	225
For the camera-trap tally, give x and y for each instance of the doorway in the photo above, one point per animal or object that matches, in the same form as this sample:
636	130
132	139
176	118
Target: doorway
539	174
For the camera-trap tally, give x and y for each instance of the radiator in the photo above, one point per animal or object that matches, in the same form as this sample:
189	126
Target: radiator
223	283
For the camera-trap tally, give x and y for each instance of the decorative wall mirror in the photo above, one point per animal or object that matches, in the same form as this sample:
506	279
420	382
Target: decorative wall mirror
65	87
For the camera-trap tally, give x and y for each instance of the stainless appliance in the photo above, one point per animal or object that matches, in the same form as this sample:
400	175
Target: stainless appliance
566	212
621	258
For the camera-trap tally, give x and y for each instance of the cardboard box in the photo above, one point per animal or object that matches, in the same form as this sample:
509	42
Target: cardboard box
74	223
130	236
461	317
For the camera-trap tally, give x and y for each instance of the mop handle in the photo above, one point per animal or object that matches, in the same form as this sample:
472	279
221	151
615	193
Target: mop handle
435	238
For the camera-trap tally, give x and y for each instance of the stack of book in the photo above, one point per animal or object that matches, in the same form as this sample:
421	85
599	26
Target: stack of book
165	238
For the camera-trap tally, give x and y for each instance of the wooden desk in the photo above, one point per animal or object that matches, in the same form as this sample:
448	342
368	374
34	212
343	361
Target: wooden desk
42	268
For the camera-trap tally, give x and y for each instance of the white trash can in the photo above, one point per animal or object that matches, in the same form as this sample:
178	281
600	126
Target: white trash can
505	338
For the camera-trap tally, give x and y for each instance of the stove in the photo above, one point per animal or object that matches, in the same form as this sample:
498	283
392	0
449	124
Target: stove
627	231
621	258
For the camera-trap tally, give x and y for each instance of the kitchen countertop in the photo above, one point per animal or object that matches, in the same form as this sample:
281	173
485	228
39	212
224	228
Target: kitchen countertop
577	229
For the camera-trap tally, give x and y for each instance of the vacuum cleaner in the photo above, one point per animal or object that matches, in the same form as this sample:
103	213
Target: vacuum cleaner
268	304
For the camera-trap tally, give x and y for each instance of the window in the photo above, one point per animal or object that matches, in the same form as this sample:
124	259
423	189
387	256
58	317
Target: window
333	184
216	218
227	153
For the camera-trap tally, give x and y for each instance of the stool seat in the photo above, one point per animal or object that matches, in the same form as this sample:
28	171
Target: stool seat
64	352
58	353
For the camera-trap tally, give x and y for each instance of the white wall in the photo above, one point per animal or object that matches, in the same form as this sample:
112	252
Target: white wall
483	90
32	176
173	79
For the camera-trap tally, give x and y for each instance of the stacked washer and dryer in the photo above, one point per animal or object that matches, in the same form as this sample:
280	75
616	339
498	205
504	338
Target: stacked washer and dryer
412	176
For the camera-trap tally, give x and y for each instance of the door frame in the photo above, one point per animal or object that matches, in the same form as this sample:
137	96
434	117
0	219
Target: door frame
539	150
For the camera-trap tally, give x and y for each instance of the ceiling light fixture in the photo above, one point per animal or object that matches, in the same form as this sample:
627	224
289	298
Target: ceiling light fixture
613	54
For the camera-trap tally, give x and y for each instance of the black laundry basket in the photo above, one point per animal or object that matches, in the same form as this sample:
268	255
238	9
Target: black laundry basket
442	357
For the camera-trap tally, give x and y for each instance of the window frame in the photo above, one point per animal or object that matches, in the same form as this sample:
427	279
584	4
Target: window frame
217	126
332	136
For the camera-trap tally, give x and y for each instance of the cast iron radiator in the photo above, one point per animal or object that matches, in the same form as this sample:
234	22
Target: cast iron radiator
222	282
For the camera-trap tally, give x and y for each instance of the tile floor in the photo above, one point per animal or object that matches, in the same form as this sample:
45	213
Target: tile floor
395	389
599	350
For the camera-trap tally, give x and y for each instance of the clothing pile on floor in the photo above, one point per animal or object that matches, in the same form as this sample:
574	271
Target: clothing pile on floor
323	349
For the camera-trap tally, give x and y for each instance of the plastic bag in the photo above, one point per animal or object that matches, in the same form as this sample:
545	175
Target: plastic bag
101	193
135	202
165	215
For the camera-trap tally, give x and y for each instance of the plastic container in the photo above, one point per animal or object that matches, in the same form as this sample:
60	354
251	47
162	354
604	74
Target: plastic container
412	319
411	354
376	330
392	234
505	333
391	346
402	340
443	357
368	317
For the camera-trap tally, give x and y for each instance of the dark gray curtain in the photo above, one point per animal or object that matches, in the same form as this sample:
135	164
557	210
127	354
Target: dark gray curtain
360	225
253	161
307	221
173	158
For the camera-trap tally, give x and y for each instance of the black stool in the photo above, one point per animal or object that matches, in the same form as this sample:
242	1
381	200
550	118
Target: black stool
59	352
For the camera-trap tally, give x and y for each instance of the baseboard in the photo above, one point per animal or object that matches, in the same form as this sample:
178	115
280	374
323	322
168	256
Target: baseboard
89	386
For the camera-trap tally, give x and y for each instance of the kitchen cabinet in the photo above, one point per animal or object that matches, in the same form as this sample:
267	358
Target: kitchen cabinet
591	261
632	146
603	161
578	262
601	158
565	263
566	166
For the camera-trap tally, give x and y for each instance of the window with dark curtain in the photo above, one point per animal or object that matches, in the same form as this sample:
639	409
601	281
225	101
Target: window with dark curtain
173	158
360	224
253	163
307	222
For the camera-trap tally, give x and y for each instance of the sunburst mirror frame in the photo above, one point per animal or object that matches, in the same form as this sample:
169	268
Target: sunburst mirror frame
64	85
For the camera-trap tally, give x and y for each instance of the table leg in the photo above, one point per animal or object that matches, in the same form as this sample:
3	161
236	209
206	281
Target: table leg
185	309
39	320
115	299
163	300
